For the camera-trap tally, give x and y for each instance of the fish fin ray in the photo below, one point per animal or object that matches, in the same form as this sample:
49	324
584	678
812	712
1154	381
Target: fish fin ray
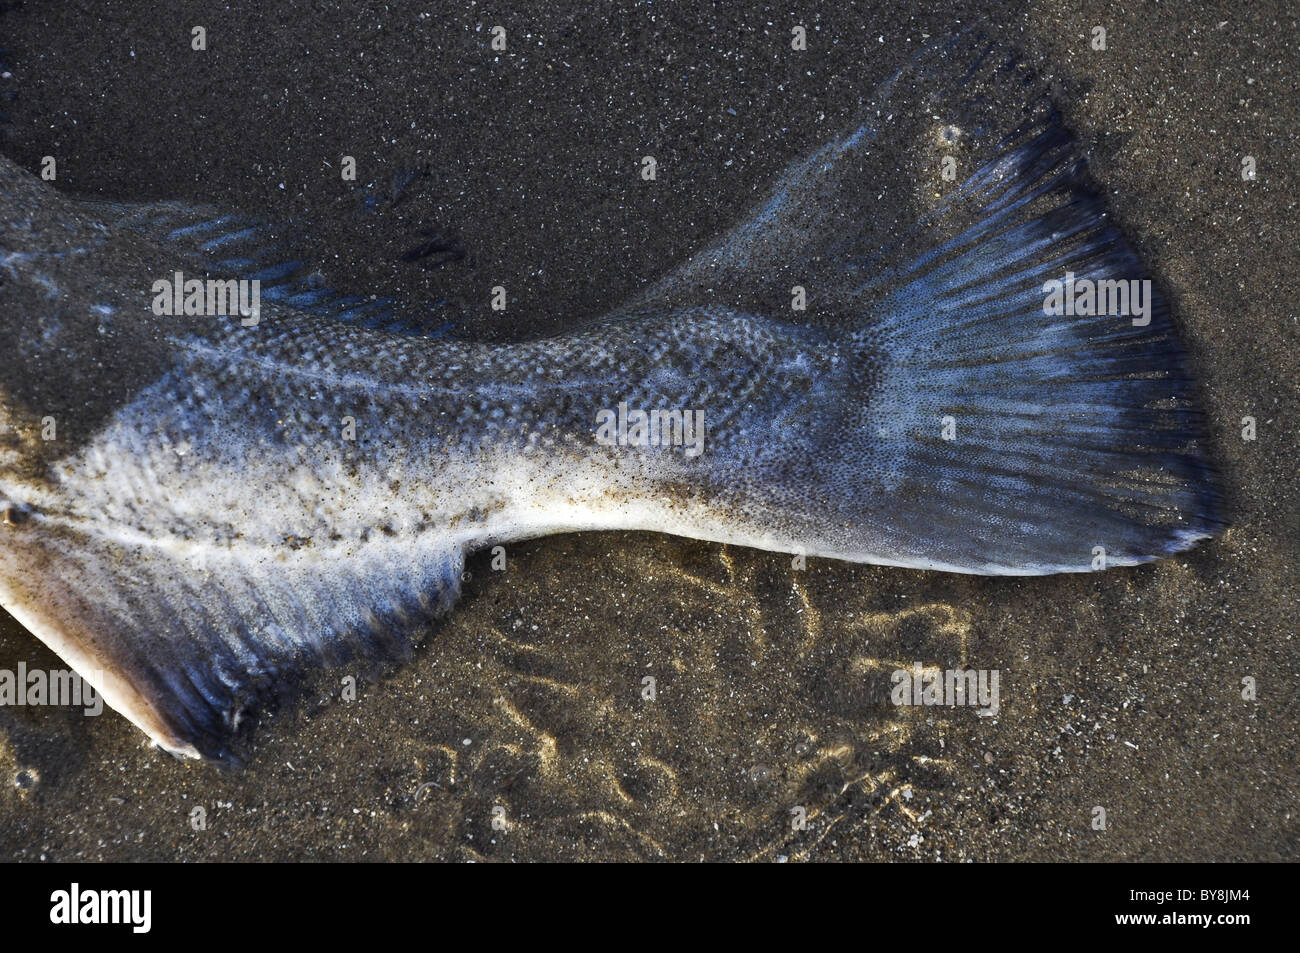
1072	434
228	245
194	649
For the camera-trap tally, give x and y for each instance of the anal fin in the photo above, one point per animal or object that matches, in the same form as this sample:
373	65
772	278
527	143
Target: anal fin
191	643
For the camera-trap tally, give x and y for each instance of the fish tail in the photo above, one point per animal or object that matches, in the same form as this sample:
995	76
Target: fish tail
1022	403
1041	411
1035	376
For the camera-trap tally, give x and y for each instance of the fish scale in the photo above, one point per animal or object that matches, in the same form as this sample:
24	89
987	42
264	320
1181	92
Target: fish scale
207	531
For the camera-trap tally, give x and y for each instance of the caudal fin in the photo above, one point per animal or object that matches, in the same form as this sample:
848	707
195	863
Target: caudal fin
1008	420
1036	392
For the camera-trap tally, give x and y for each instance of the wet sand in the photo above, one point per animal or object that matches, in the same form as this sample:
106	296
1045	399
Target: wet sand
1121	690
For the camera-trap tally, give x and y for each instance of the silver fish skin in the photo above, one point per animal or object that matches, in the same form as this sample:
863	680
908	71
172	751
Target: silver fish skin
198	512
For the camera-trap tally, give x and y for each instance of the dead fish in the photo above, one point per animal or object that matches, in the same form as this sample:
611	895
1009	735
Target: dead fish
203	508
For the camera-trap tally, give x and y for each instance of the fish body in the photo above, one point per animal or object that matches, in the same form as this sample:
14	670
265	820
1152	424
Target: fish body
199	509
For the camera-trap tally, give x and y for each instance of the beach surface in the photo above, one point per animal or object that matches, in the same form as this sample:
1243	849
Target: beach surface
521	729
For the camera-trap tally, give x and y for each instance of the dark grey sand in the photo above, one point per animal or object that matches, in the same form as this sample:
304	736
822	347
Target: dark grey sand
1121	690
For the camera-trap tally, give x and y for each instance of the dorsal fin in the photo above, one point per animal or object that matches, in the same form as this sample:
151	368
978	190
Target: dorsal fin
226	245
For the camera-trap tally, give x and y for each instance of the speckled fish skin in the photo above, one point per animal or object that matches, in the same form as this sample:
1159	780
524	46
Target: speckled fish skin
202	531
200	464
